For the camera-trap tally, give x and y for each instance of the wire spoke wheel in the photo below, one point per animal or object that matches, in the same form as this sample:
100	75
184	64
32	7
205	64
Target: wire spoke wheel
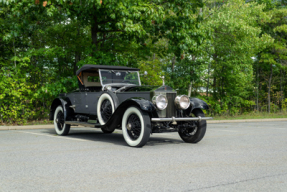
134	126
60	120
61	127
194	131
191	130
106	110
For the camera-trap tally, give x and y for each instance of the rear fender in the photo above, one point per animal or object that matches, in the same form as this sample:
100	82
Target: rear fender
65	103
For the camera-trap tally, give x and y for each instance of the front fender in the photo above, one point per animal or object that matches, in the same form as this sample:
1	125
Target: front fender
64	102
141	103
196	103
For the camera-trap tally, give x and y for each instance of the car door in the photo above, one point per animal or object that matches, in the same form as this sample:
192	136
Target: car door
79	102
91	102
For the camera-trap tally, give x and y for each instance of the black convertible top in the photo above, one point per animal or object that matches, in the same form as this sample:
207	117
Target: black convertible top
89	66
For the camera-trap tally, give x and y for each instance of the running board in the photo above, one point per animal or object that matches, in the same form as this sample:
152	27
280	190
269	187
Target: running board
85	124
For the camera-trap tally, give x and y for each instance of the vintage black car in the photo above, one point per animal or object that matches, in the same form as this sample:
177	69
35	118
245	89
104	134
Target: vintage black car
112	97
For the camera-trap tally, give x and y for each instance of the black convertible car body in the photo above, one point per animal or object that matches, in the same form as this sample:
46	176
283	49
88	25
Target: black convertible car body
112	97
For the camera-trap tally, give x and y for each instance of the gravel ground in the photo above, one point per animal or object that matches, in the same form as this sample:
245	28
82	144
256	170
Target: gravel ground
231	157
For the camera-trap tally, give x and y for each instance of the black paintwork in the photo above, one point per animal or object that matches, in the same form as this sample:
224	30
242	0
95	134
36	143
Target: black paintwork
127	95
65	103
196	103
141	103
141	88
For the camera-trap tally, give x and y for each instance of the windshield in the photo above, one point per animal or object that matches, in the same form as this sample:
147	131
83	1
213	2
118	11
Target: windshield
117	76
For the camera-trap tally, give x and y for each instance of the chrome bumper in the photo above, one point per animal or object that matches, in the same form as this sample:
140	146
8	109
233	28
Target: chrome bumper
175	119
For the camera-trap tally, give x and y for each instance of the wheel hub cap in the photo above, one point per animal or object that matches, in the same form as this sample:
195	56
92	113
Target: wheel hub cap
129	126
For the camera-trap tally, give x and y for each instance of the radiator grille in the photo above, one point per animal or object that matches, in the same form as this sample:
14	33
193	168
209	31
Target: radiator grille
170	110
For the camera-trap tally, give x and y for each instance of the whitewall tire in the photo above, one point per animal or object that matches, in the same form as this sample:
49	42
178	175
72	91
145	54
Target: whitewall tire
194	134
136	127
59	122
105	108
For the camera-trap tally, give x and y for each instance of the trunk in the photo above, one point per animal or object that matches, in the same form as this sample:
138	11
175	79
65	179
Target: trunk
281	91
214	87
257	87
207	87
260	87
173	63
222	84
191	71
77	54
103	42
189	89
214	78
269	87
14	54
77	59
94	32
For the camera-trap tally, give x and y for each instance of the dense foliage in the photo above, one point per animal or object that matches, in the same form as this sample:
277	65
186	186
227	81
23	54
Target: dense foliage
232	53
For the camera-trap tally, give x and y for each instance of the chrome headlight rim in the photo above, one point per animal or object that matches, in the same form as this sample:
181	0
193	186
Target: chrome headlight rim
182	102
160	101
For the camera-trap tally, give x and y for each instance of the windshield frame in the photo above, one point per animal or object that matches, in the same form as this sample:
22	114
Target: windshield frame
124	84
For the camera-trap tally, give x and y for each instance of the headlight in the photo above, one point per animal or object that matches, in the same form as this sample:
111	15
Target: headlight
182	102
160	101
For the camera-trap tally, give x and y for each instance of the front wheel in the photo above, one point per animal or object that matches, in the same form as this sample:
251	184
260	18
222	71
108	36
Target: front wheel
196	131
136	127
59	121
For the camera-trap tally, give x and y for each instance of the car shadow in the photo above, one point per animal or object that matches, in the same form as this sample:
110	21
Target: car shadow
116	137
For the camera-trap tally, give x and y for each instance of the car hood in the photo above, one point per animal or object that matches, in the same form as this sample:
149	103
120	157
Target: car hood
145	88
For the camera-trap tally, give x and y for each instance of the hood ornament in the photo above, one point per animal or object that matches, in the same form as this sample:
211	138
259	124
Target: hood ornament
162	77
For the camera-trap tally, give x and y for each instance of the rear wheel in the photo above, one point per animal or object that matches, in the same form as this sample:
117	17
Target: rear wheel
196	131
136	127
59	121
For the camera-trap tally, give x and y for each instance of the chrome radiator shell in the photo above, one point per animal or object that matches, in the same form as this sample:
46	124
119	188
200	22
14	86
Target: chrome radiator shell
170	94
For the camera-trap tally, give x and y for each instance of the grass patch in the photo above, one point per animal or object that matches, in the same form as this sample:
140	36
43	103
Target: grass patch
39	122
34	122
252	115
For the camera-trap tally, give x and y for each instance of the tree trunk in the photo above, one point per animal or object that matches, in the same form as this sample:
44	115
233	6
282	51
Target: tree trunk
281	91
260	87
77	59
77	54
257	87
269	86
14	54
173	63
207	87
189	89
214	78
94	32
214	88
222	84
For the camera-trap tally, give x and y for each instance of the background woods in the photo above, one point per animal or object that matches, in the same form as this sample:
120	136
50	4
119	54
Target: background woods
231	54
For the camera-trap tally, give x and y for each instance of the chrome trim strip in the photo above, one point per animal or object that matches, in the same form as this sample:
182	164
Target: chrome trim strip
139	78
181	119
